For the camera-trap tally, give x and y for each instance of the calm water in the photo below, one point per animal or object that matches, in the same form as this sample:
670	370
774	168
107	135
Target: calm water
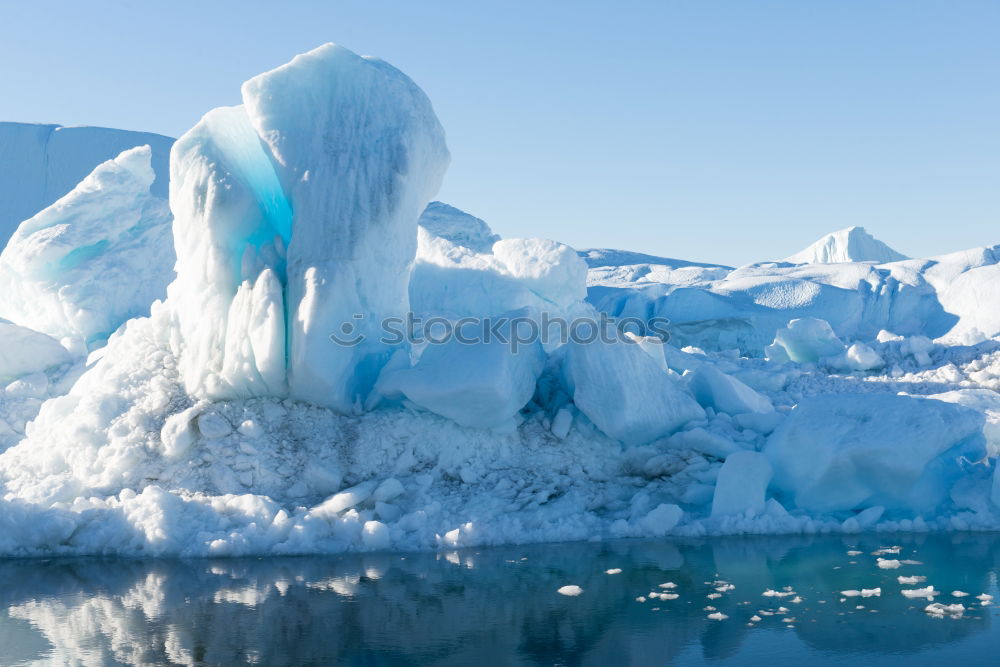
500	606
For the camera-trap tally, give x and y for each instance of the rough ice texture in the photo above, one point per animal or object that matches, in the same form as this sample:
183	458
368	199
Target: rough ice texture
850	452
94	259
41	163
357	172
291	226
853	244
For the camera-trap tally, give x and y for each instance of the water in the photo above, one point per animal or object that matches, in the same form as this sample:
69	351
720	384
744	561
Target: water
499	606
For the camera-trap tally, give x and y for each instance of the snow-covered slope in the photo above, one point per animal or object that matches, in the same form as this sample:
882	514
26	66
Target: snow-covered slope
853	244
41	163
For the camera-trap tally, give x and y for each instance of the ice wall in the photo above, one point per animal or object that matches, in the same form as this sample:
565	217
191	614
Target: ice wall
296	218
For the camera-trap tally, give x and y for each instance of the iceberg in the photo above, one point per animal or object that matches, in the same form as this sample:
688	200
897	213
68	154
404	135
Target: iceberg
40	164
261	408
94	259
332	222
853	244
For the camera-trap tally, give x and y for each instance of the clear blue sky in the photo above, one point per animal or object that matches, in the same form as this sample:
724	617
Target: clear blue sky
715	130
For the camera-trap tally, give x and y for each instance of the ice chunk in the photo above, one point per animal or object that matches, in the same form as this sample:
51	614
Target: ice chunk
357	168
570	591
482	384
807	340
842	452
661	520
858	357
458	227
625	394
742	485
375	535
458	281
23	351
714	389
95	258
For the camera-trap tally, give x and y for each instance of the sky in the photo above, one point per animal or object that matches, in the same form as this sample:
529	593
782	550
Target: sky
727	131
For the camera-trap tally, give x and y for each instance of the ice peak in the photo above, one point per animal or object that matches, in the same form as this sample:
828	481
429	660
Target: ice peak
852	244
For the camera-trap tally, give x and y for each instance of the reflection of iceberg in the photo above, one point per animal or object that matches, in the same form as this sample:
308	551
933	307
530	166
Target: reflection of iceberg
455	607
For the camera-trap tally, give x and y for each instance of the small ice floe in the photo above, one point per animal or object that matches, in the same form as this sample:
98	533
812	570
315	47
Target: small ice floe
717	616
710	608
942	610
763	612
925	592
854	553
959	594
984	599
886	551
786	592
714	596
668	585
911	581
755	619
669	596
790	619
570	591
863	593
614	570
888	564
725	588
860	606
907	561
796	600
782	610
641	598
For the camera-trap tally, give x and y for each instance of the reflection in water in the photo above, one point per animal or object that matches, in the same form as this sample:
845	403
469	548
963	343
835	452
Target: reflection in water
500	606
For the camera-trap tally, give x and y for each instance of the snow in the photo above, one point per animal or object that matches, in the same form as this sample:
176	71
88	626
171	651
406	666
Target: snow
41	163
229	422
853	244
94	259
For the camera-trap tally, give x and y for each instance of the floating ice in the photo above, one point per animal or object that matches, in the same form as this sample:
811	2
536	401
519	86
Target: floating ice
570	591
926	592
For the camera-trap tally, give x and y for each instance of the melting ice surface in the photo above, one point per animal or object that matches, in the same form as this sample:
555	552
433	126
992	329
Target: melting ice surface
776	600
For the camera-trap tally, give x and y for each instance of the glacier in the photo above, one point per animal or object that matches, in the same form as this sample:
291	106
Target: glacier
213	376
